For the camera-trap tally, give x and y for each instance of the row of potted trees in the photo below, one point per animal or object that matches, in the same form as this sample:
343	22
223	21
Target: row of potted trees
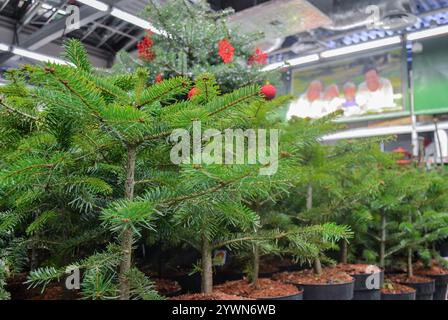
398	218
87	183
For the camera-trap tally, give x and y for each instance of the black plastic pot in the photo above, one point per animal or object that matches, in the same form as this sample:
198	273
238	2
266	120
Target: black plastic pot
298	296
441	286
189	283
444	249
225	277
266	274
425	290
398	296
174	293
336	291
291	268
362	292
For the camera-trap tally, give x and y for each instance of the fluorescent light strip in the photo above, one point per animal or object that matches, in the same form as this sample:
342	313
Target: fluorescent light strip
427	33
33	55
48	7
293	62
101	6
361	47
382	131
4	47
123	15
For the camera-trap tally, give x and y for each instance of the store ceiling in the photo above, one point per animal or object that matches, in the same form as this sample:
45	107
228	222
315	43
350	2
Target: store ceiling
37	24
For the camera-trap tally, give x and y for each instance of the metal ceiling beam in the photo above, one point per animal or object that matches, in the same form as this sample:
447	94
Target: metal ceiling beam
131	44
55	30
4	4
30	14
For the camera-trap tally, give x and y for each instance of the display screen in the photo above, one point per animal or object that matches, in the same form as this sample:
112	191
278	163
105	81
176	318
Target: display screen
359	87
431	76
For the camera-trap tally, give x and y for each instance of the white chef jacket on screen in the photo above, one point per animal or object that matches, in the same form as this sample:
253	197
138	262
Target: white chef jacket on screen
377	100
302	108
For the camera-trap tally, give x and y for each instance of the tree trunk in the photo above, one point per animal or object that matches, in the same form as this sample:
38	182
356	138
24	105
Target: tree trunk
33	260
127	236
309	198
256	266
207	267
410	268
383	239
309	205
317	266
344	251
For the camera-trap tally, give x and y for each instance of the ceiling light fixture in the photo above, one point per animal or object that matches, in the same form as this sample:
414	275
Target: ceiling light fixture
123	15
101	6
32	55
427	33
361	47
293	62
4	47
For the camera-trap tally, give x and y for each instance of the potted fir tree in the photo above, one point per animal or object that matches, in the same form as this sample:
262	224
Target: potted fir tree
418	226
134	119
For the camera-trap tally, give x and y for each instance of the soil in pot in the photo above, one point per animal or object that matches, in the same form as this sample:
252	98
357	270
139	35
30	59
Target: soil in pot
332	284
267	289
53	291
368	280
167	288
213	296
424	286
439	275
396	291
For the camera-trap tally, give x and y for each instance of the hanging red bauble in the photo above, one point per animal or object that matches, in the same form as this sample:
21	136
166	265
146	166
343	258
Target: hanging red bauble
258	57
144	48
269	91
226	51
159	78
192	93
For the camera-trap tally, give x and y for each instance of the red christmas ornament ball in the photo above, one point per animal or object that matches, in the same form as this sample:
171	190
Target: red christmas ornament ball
269	91
192	93
159	78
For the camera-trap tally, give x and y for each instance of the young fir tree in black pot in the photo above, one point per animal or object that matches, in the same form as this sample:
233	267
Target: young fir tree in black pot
347	189
433	265
398	200
417	226
278	233
201	40
384	199
46	220
279	236
319	283
132	120
231	222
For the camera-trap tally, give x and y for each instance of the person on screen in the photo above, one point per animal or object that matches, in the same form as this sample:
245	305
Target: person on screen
332	99
310	104
375	93
350	105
